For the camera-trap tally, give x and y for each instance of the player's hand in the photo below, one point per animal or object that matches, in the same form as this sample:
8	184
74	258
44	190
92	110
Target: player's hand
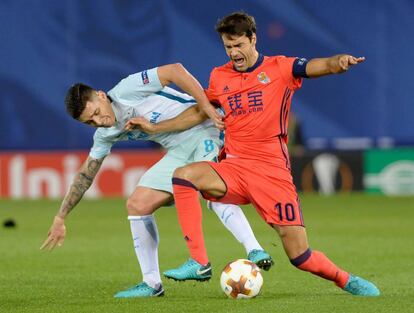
214	116
142	124
56	234
345	61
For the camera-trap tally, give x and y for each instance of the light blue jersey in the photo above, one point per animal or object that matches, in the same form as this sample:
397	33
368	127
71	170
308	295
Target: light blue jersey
142	94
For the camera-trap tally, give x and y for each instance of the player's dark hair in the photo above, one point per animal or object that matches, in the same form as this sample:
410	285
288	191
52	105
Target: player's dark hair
76	99
237	24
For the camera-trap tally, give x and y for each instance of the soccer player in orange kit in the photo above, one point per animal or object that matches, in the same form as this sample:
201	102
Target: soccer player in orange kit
255	91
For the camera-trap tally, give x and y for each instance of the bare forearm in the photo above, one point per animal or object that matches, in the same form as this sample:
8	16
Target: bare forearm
187	119
333	65
74	195
318	67
83	180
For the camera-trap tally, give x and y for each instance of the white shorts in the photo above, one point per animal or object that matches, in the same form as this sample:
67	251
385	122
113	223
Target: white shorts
203	146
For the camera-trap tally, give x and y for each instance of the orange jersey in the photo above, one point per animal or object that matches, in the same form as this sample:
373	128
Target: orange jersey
256	105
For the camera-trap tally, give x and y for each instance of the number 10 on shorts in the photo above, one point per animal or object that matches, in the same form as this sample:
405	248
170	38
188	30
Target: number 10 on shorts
285	212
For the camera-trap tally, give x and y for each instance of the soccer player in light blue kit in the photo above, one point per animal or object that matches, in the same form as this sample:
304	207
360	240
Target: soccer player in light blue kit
145	95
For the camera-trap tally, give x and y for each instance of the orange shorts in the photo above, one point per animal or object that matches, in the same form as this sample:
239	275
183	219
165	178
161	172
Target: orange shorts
269	188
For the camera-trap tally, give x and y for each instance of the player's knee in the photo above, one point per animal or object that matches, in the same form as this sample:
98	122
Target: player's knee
294	239
184	172
135	207
283	232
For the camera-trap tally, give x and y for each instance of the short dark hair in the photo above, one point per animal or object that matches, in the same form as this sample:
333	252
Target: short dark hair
76	98
237	24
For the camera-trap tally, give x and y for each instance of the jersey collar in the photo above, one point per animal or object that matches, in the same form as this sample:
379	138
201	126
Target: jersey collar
252	68
116	109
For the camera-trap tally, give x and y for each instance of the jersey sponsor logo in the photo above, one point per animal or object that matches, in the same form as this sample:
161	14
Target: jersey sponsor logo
144	76
235	102
226	89
263	78
154	117
254	103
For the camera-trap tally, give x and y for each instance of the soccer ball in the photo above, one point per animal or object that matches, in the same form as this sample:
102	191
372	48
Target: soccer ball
241	279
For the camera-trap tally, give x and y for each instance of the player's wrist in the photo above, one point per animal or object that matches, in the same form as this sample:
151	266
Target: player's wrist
333	64
60	217
155	128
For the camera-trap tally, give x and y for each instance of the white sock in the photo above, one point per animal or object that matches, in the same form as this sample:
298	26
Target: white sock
236	222
145	237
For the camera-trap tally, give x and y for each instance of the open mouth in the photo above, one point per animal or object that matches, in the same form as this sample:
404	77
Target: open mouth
238	61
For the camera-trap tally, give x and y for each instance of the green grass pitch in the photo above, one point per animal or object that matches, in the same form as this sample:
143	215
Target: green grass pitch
371	236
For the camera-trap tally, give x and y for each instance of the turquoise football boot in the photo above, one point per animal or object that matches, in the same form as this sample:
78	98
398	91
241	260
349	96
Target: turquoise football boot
190	270
361	287
141	290
261	258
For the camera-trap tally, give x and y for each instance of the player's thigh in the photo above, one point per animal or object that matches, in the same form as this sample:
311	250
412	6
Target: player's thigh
203	177
275	200
232	175
159	176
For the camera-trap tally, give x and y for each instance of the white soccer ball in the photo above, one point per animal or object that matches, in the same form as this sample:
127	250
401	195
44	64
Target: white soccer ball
241	279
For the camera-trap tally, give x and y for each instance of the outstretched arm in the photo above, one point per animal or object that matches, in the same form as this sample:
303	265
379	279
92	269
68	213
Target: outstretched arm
185	120
333	65
82	181
177	74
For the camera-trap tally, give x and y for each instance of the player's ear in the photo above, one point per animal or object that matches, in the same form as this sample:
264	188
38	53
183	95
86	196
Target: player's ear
253	39
101	94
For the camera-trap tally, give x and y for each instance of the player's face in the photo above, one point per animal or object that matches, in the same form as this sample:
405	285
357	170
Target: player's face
98	111
241	51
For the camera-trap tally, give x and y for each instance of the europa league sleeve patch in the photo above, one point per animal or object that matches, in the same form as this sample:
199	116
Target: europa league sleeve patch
299	68
144	76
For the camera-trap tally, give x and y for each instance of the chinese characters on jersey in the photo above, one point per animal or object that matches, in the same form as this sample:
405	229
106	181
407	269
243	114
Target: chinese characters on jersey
253	103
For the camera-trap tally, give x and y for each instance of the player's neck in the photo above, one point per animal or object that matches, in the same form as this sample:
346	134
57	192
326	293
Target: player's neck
112	109
254	59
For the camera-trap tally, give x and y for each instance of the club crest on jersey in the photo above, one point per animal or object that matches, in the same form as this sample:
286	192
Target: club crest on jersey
262	77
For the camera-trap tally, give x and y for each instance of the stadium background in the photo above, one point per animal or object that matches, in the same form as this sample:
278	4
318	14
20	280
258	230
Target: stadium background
356	134
49	45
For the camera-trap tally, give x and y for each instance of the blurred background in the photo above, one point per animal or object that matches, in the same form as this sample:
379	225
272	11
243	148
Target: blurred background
351	132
